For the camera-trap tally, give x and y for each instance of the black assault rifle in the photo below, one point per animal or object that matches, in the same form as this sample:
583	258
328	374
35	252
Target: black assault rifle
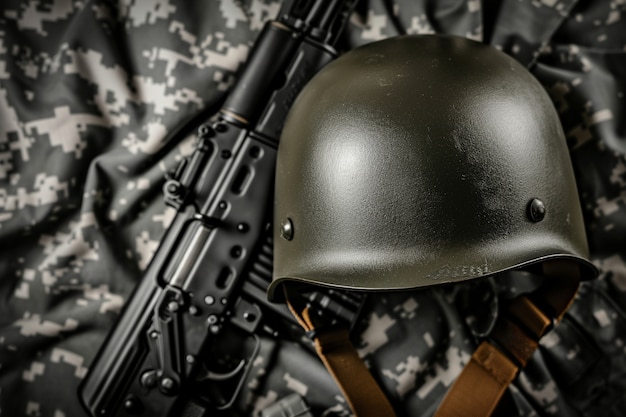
205	286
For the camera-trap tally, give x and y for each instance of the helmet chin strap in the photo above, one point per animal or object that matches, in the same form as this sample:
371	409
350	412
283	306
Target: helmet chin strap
339	356
485	378
498	360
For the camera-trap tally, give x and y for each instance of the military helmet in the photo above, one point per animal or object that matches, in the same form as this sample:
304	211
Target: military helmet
420	160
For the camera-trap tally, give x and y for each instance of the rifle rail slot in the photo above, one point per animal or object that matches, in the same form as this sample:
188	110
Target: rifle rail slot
242	179
225	278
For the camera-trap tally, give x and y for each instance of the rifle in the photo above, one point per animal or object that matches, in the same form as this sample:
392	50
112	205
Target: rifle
205	286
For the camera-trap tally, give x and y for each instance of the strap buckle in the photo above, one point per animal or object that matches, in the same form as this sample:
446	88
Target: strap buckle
318	331
517	333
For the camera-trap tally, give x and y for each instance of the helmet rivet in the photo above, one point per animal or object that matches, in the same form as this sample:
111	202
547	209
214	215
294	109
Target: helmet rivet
286	229
536	210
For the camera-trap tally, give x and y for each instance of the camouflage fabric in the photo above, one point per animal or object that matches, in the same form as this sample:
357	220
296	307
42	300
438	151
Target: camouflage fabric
97	100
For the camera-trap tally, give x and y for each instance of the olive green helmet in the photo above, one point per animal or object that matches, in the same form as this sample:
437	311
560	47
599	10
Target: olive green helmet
421	160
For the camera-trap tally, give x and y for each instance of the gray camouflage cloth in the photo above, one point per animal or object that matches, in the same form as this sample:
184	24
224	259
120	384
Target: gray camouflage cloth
97	102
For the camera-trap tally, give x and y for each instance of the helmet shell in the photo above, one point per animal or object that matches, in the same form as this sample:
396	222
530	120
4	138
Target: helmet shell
421	160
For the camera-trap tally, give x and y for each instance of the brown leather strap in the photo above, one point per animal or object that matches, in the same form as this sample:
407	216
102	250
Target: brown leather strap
493	366
334	348
480	386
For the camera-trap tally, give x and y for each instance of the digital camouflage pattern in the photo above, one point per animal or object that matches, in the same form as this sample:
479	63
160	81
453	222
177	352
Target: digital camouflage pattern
97	102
